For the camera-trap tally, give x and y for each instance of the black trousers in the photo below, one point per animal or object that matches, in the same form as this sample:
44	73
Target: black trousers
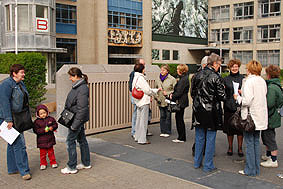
180	124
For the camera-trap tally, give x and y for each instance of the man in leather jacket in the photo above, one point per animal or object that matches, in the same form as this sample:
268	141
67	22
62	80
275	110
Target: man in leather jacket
207	93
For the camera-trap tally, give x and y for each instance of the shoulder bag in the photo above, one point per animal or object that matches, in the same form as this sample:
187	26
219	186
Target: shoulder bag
239	124
137	94
66	118
173	107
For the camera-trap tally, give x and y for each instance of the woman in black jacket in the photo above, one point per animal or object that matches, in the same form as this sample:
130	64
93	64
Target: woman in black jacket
78	103
180	95
230	106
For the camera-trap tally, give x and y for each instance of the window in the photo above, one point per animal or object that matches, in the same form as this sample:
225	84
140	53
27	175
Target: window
66	58
10	17
165	55
215	36
243	56
66	14
41	11
244	11
220	13
271	57
242	35
175	55
269	8
268	33
123	20
155	54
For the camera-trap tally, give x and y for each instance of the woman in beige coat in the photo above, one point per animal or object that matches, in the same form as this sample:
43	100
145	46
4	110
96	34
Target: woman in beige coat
167	83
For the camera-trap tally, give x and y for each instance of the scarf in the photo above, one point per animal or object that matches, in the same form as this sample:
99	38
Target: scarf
162	78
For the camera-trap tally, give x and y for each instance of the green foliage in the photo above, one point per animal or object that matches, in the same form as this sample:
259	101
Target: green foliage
35	73
224	74
281	75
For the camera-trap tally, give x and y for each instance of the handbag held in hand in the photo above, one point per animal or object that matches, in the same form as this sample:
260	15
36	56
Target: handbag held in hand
66	118
173	107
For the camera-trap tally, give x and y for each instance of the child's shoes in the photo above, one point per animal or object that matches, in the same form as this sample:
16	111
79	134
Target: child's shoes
54	166
42	167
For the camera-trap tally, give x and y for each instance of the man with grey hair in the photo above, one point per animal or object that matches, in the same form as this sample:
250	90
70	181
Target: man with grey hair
207	93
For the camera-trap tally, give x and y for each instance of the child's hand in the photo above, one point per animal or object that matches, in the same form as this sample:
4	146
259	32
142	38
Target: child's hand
50	128
46	129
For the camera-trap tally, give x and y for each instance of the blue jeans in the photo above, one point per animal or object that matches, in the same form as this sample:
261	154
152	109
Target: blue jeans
209	148
17	158
252	153
78	135
165	120
134	116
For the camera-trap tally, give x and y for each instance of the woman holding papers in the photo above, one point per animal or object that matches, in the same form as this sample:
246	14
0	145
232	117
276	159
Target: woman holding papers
232	83
14	98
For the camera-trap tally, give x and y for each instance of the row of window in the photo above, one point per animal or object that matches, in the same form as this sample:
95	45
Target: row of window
266	8
265	57
66	14
124	20
166	54
265	33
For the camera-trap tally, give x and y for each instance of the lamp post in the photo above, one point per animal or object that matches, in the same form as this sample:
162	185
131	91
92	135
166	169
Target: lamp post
16	27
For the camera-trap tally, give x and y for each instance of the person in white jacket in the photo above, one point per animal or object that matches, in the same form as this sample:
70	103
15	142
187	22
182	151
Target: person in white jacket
253	99
140	83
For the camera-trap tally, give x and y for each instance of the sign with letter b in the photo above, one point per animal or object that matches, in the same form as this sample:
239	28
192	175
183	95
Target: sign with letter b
42	24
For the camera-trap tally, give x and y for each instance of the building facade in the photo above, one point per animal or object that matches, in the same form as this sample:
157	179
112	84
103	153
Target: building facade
29	26
249	29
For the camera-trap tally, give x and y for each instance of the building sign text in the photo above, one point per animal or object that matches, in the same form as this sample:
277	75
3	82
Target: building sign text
119	37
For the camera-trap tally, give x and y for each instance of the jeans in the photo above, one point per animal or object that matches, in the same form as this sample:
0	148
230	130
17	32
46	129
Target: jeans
17	158
165	120
180	124
252	153
134	116
209	148
78	135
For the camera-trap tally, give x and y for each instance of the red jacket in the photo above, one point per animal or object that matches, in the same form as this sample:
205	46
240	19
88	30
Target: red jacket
45	139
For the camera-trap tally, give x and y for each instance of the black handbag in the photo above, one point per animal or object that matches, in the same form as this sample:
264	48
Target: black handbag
66	118
22	120
174	107
238	123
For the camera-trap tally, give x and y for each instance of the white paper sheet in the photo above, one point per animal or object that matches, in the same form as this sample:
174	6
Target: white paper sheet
236	87
169	102
8	135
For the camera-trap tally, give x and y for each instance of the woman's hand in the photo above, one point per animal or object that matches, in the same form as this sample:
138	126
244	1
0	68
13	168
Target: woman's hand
170	96
10	125
164	93
240	91
235	96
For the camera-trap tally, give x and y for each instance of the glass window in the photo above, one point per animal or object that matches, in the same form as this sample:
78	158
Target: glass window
220	13
23	19
165	54
271	57
175	55
155	54
66	14
66	58
41	11
269	8
215	36
244	10
243	56
268	33
225	35
242	35
8	18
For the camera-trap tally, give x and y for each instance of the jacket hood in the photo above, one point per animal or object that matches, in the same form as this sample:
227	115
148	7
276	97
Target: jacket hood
39	107
274	81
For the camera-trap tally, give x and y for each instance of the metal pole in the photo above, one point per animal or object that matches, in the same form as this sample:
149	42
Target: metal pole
16	27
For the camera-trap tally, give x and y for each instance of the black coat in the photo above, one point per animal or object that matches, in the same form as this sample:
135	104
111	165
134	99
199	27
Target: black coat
230	104
181	90
77	102
208	92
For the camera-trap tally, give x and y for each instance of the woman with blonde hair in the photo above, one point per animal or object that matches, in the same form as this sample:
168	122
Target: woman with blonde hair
253	100
180	96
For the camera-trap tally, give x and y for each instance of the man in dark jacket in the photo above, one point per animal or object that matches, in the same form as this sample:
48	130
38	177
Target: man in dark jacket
207	93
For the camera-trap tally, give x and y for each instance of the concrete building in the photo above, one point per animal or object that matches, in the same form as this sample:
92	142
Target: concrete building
103	32
247	30
34	31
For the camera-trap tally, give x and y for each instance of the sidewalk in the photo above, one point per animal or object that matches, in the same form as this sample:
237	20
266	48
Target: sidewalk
105	173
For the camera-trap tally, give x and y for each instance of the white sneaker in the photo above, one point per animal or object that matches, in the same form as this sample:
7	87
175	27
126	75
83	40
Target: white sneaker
265	158
42	167
54	166
242	172
82	166
161	135
149	134
166	135
67	170
269	163
178	141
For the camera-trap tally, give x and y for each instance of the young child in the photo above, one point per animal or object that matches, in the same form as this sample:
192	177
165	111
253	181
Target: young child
44	126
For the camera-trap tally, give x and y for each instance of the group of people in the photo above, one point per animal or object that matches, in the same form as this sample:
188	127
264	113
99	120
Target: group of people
211	95
14	98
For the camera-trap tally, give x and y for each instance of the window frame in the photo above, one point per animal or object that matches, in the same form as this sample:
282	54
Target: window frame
268	55
263	30
243	31
222	11
242	7
264	8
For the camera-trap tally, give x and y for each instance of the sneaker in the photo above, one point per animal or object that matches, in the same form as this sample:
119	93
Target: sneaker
67	170
82	166
269	163
42	167
242	172
26	177
265	158
149	134
54	165
280	175
178	141
161	135
166	135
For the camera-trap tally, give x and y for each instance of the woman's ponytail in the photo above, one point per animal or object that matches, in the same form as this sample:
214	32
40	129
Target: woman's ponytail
85	77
